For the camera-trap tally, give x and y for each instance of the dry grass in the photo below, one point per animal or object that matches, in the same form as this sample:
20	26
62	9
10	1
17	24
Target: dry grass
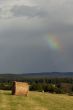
35	101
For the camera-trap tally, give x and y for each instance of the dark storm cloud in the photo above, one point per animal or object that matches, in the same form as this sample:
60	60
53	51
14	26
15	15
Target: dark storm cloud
28	11
25	52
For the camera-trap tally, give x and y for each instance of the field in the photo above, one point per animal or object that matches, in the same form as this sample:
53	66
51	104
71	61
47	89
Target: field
35	101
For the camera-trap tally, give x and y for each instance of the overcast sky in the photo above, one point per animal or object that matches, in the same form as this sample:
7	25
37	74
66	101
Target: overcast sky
25	26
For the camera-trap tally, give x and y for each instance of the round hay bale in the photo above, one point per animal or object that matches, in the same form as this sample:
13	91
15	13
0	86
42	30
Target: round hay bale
20	88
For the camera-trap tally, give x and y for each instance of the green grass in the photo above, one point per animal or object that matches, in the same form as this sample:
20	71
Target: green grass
35	101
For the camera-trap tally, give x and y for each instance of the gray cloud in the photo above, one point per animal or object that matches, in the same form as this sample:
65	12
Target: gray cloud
24	45
28	11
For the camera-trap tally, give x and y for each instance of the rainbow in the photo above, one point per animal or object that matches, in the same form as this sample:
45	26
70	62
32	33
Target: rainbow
54	42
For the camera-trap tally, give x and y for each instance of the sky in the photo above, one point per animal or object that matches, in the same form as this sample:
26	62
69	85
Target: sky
36	36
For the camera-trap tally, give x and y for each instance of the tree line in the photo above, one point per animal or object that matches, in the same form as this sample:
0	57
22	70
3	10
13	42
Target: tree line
51	85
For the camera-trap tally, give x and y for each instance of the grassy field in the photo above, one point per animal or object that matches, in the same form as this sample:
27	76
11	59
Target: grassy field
35	101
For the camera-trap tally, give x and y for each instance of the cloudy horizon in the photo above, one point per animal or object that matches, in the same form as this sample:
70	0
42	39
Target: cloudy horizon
25	27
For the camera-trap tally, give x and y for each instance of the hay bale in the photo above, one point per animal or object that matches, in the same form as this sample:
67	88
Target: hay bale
20	88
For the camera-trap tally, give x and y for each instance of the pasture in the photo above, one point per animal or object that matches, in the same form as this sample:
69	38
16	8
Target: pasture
35	101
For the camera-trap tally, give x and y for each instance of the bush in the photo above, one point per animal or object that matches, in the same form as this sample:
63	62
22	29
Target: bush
70	94
59	90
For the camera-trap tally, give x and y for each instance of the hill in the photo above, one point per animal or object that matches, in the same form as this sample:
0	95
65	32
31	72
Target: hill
6	77
35	101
